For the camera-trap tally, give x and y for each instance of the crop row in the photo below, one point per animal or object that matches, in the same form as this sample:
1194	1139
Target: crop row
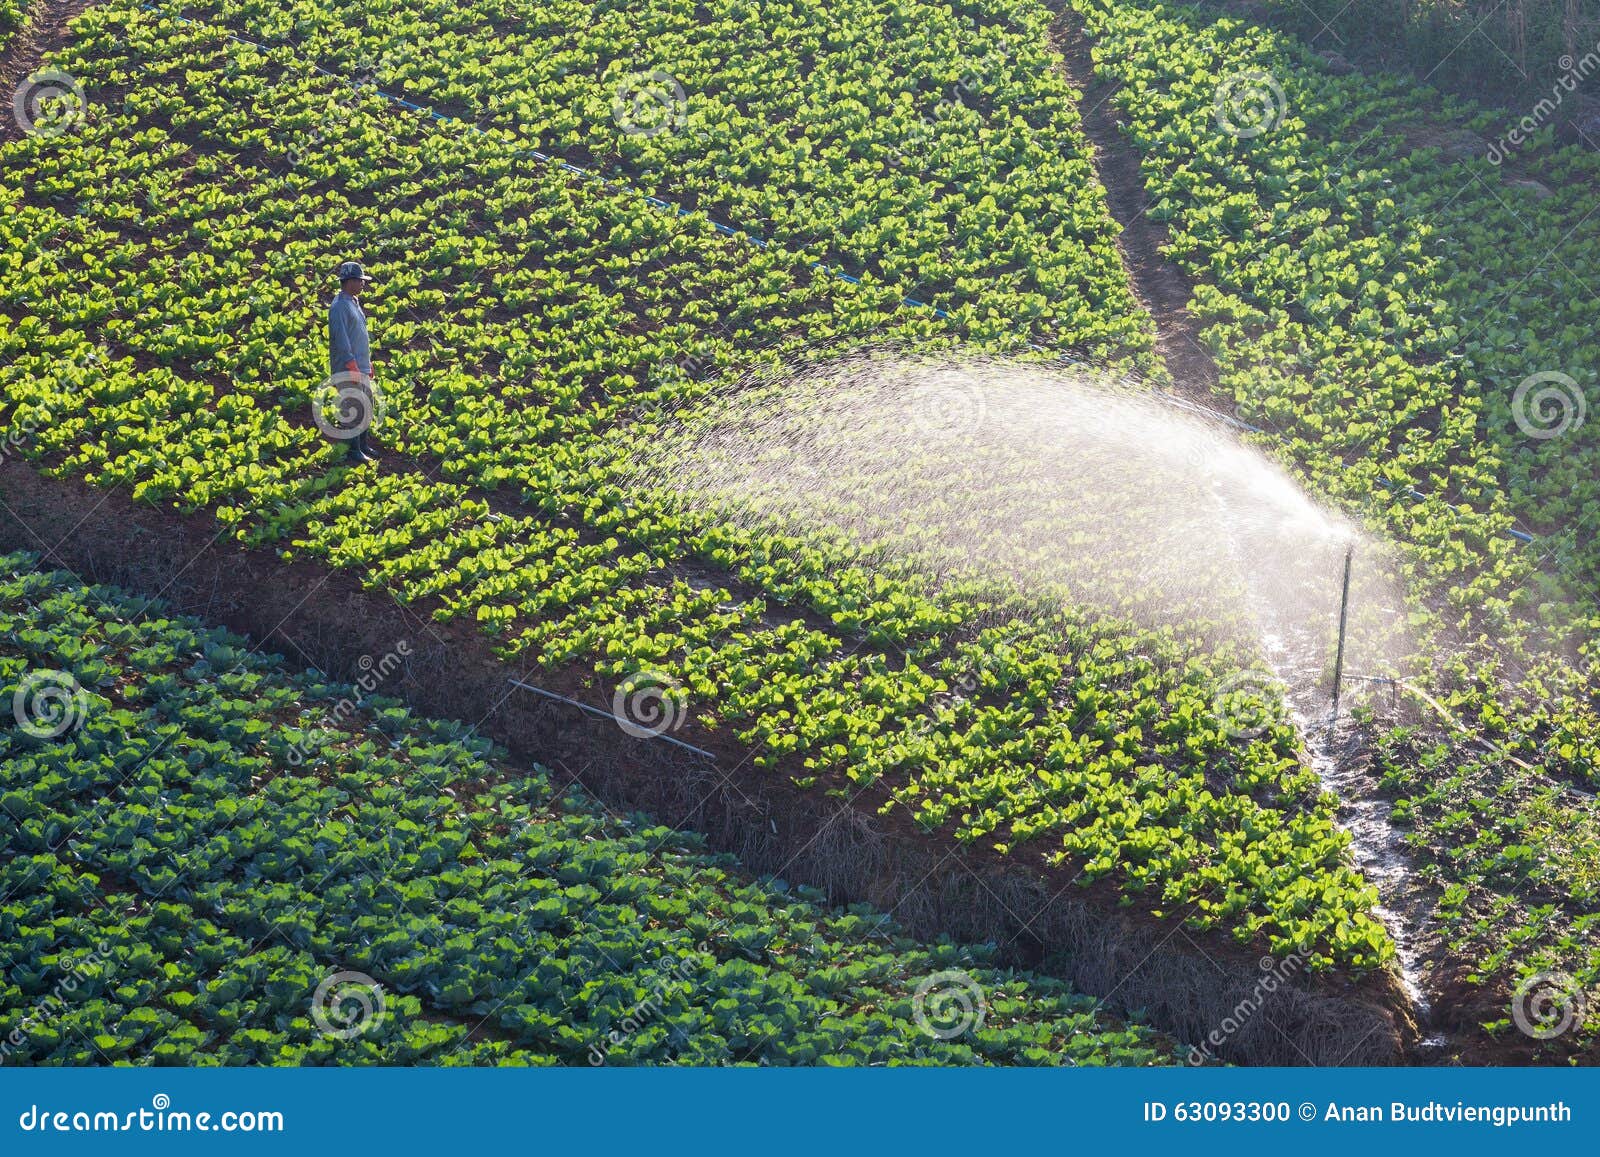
923	146
1376	287
521	315
1379	302
197	839
1511	860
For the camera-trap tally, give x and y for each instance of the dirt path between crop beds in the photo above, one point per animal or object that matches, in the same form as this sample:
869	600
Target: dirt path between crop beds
1185	982
1165	293
1159	286
44	28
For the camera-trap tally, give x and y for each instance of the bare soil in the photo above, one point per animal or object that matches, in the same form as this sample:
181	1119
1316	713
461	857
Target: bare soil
1157	283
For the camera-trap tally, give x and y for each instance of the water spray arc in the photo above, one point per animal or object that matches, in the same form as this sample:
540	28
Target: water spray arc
1040	484
1047	490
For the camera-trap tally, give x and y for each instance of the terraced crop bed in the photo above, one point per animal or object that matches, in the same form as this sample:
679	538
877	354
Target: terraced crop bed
184	377
586	216
1378	291
200	838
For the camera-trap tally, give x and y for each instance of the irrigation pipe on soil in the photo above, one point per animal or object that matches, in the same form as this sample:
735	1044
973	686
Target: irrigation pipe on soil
1457	725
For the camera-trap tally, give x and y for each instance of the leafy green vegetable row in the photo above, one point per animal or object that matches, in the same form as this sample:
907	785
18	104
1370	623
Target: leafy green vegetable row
928	147
522	315
11	13
199	840
99	975
1377	291
1381	302
1514	862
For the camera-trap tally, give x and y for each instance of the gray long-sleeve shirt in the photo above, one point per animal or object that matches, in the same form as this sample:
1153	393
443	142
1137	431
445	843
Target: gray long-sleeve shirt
347	335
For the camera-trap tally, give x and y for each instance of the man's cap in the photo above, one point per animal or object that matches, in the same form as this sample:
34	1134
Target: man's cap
352	269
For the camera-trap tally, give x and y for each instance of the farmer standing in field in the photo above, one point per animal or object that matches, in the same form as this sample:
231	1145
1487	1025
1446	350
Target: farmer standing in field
350	362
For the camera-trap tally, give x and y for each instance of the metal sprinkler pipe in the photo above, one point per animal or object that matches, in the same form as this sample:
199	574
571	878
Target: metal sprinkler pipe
1344	614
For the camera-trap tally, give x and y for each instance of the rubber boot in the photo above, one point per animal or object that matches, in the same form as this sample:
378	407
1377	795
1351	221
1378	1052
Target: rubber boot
367	449
353	448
